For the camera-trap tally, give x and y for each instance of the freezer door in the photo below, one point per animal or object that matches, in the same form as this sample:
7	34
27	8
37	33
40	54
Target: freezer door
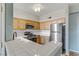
56	27
56	32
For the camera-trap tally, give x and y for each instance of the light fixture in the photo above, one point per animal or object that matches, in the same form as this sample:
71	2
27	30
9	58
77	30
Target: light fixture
37	7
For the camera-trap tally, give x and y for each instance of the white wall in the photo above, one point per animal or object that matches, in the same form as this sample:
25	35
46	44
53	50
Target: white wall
54	14
22	14
74	27
74	32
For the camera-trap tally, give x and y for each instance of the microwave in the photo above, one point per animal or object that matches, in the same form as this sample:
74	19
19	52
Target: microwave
29	27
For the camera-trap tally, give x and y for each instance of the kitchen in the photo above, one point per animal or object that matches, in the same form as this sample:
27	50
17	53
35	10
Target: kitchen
36	25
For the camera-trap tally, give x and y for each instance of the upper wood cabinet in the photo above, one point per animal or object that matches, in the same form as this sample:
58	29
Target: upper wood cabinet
15	24
19	24
42	26
22	24
59	20
45	25
37	25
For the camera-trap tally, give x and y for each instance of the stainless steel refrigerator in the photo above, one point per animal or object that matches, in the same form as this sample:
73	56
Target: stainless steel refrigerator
57	33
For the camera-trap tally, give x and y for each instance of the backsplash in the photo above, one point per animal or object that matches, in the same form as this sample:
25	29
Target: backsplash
36	32
21	32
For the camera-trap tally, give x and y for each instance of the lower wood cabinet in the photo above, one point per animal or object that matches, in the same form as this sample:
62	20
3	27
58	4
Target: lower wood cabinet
42	39
38	40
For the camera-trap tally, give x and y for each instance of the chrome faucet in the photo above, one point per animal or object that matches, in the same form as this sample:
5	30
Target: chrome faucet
14	35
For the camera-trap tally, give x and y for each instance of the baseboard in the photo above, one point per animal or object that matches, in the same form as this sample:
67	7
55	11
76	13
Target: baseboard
74	53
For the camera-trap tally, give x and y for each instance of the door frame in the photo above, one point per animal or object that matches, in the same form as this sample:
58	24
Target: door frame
3	28
67	30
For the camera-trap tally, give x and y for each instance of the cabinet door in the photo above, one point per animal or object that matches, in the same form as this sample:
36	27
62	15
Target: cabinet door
45	25
18	24
22	24
15	24
42	25
37	26
28	22
38	39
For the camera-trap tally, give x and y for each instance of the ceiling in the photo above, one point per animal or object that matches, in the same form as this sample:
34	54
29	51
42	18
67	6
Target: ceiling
73	7
47	8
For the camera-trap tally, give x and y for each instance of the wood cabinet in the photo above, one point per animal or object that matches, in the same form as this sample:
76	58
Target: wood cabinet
42	26
15	24
37	25
42	39
45	25
59	20
38	40
22	24
19	24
